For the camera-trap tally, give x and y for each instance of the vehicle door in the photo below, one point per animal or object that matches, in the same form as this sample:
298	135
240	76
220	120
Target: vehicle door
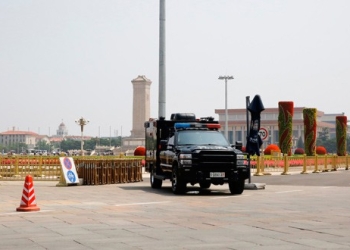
167	155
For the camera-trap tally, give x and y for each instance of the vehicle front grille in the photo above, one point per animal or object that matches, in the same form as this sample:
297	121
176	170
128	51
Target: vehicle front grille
214	159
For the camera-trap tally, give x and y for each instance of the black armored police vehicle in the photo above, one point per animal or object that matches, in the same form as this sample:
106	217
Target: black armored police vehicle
192	151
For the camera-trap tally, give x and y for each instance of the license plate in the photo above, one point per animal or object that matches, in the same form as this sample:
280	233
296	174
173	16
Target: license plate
217	174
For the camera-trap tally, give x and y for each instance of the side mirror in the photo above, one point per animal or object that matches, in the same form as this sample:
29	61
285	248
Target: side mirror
239	145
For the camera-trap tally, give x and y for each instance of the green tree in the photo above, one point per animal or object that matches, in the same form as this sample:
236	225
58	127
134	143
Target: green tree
117	141
69	144
43	145
16	147
3	149
113	142
329	144
90	144
324	140
300	143
323	135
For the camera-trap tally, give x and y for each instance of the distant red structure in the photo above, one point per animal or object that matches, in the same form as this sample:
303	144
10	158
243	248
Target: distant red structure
271	147
140	151
320	150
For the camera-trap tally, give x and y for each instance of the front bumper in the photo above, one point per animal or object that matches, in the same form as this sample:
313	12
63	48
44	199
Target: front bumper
215	175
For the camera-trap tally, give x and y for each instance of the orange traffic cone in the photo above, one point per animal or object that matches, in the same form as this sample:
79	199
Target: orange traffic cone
28	202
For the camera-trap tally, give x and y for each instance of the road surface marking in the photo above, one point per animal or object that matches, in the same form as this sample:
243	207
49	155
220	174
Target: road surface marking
290	191
231	196
141	203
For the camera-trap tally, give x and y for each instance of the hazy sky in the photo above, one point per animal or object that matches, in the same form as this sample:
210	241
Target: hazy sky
60	60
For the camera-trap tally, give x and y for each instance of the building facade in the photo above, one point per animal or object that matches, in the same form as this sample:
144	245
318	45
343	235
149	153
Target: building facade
237	124
13	136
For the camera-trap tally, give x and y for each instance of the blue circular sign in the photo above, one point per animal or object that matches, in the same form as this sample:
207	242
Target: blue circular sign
71	176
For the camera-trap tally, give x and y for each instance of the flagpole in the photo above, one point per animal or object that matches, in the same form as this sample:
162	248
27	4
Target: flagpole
248	129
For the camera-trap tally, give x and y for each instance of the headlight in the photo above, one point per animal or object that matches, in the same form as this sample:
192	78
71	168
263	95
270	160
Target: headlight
240	160
186	159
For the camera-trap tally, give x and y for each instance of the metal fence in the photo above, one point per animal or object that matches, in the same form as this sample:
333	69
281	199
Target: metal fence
100	172
18	167
92	170
111	169
302	164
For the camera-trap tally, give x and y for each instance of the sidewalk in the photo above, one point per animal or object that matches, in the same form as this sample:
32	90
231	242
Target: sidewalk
135	216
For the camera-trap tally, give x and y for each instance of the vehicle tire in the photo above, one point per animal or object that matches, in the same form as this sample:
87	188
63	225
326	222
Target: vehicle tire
155	183
204	184
177	185
236	187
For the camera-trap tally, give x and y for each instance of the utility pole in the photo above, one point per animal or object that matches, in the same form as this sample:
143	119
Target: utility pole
82	122
226	115
162	84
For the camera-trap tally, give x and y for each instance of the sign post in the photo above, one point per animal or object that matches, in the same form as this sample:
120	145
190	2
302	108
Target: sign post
254	141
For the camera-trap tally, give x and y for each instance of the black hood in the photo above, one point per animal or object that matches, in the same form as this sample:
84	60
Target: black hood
190	148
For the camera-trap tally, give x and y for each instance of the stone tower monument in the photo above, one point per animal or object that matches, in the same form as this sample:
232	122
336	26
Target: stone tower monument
140	106
140	112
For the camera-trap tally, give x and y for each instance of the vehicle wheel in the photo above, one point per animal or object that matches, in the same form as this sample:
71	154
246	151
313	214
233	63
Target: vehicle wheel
237	187
204	184
177	185
155	183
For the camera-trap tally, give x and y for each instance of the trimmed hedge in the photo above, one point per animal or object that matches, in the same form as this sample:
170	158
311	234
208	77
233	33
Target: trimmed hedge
271	147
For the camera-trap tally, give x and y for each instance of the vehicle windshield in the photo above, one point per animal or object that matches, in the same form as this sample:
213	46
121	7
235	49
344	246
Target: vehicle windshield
201	137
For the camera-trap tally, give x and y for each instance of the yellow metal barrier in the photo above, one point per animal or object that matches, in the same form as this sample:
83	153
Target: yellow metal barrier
286	165
117	169
258	167
109	171
297	163
17	167
304	165
93	170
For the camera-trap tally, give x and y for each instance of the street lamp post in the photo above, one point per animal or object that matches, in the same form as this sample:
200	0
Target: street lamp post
226	115
82	122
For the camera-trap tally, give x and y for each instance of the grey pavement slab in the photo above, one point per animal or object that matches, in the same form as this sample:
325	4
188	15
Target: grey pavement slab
135	216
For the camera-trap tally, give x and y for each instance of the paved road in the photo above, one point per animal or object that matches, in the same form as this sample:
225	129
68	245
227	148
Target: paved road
340	178
288	214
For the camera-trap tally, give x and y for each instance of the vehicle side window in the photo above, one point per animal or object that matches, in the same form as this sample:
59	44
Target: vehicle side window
171	142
